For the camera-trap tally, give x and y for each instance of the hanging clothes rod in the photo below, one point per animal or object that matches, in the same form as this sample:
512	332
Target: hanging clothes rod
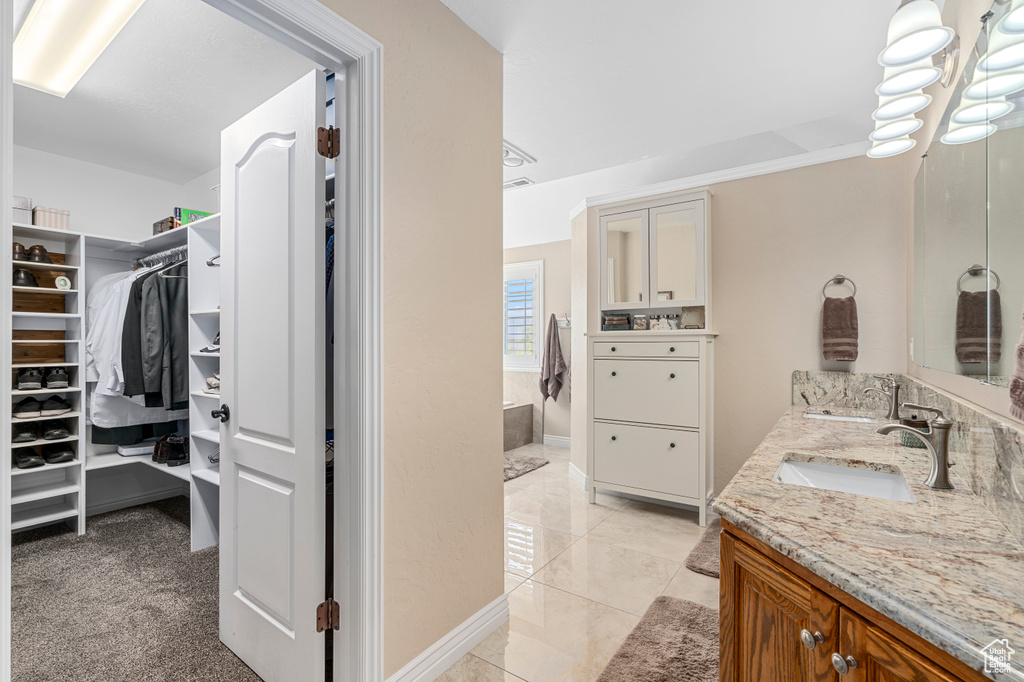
974	271
168	256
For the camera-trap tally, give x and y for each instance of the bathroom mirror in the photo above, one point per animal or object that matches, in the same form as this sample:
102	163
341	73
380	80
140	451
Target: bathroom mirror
674	267
624	245
969	226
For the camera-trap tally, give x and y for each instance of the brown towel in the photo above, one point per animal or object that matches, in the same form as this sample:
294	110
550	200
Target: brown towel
979	327
552	367
1017	382
839	329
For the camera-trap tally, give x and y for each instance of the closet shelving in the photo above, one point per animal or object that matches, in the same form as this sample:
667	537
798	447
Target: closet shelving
48	331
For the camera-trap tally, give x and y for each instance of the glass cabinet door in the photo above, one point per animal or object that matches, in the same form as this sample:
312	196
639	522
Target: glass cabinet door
677	255
624	248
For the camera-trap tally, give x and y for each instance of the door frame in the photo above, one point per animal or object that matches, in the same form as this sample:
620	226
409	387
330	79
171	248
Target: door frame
316	32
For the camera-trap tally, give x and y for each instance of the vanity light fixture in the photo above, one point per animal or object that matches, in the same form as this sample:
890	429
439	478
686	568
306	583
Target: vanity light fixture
981	112
881	150
61	39
891	108
1005	51
1013	22
988	86
891	130
962	134
915	32
903	80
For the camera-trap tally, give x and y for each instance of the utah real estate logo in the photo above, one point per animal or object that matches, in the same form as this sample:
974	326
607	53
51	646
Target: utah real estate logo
997	656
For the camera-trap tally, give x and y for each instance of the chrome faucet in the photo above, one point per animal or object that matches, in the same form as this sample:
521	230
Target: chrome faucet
893	396
937	443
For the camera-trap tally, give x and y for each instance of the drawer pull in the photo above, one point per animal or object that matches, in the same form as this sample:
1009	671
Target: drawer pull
843	665
672	349
671	376
613	373
811	640
671	445
613	437
613	349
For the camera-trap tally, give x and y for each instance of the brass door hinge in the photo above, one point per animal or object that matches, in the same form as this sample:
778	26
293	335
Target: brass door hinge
328	142
328	616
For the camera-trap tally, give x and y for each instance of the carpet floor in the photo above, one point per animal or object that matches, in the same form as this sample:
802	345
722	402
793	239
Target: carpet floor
704	557
517	464
676	640
126	601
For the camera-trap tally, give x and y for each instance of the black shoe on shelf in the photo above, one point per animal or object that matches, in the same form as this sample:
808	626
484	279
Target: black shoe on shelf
55	406
29	379
54	430
55	453
24	278
177	451
160	450
28	459
27	408
24	433
56	377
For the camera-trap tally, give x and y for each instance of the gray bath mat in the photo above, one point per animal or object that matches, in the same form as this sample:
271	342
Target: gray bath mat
704	557
516	464
675	640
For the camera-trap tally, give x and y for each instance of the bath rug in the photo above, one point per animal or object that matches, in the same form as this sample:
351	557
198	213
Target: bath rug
516	464
704	557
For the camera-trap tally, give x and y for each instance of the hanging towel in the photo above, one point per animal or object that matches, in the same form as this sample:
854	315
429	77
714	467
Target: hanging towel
839	329
552	368
1017	382
979	327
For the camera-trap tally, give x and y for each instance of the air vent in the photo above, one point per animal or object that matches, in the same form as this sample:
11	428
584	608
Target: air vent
518	182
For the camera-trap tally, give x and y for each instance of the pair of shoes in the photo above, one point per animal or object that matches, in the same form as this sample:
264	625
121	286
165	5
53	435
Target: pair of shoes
54	453
34	378
33	254
51	407
171	450
213	347
30	431
213	384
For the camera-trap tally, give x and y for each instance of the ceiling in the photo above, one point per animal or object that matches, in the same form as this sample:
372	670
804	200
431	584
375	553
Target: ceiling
156	100
591	84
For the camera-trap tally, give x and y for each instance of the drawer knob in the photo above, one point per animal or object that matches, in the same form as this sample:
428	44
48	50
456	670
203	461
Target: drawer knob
672	349
811	640
671	445
613	349
613	373
843	665
671	376
613	437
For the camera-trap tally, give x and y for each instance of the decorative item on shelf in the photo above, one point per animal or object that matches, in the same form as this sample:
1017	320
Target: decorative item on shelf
639	323
184	216
664	295
22	210
161	226
62	283
615	322
692	317
54	218
909	439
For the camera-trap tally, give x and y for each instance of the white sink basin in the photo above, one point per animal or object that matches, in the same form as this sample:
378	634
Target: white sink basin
840	417
844	479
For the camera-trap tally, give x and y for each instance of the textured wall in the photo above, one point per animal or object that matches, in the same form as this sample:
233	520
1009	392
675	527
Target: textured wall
442	323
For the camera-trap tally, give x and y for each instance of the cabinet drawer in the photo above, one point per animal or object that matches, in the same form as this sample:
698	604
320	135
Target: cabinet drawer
660	460
647	349
647	391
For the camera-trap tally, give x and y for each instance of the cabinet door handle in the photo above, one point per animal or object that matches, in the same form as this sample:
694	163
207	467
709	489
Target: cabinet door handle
672	349
671	376
613	373
671	445
843	665
613	349
810	641
613	437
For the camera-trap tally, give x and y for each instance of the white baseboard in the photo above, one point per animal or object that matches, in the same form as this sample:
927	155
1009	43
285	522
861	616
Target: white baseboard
557	441
134	501
577	476
429	665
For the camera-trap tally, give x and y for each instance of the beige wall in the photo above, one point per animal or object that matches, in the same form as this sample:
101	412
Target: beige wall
441	376
523	387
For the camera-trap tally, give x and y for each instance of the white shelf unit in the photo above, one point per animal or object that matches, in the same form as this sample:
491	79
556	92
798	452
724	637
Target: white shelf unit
204	429
53	492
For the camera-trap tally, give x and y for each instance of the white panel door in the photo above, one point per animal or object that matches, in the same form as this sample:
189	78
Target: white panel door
272	561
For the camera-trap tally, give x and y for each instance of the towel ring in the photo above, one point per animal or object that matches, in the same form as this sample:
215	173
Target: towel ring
839	279
974	271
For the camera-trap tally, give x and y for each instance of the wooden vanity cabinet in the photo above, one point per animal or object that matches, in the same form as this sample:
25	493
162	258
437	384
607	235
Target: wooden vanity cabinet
770	605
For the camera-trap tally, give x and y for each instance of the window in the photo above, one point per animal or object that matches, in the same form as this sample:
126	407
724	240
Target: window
523	336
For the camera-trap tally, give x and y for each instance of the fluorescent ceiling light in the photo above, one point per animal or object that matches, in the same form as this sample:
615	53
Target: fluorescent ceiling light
980	112
1005	51
61	39
995	85
915	32
893	129
962	134
1013	22
903	80
881	150
891	108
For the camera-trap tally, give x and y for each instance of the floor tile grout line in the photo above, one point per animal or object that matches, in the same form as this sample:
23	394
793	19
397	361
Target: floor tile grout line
498	667
592	601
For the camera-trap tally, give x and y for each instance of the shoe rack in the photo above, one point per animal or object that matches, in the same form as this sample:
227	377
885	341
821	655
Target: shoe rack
47	332
204	429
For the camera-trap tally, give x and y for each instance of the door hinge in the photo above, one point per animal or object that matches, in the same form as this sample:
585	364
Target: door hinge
328	616
328	142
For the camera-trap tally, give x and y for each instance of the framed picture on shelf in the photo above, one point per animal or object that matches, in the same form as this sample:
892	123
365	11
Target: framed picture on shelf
664	295
639	323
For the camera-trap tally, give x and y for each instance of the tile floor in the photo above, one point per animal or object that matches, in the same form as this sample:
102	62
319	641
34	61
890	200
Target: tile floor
579	576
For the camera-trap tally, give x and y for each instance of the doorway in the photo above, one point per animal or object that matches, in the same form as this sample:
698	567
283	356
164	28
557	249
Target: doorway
355	59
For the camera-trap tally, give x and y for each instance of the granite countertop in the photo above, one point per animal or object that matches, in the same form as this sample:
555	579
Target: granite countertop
943	567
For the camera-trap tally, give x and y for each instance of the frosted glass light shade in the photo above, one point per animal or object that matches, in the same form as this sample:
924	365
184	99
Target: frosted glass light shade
962	134
981	112
881	150
1013	22
903	80
915	32
989	86
1005	52
891	108
893	129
